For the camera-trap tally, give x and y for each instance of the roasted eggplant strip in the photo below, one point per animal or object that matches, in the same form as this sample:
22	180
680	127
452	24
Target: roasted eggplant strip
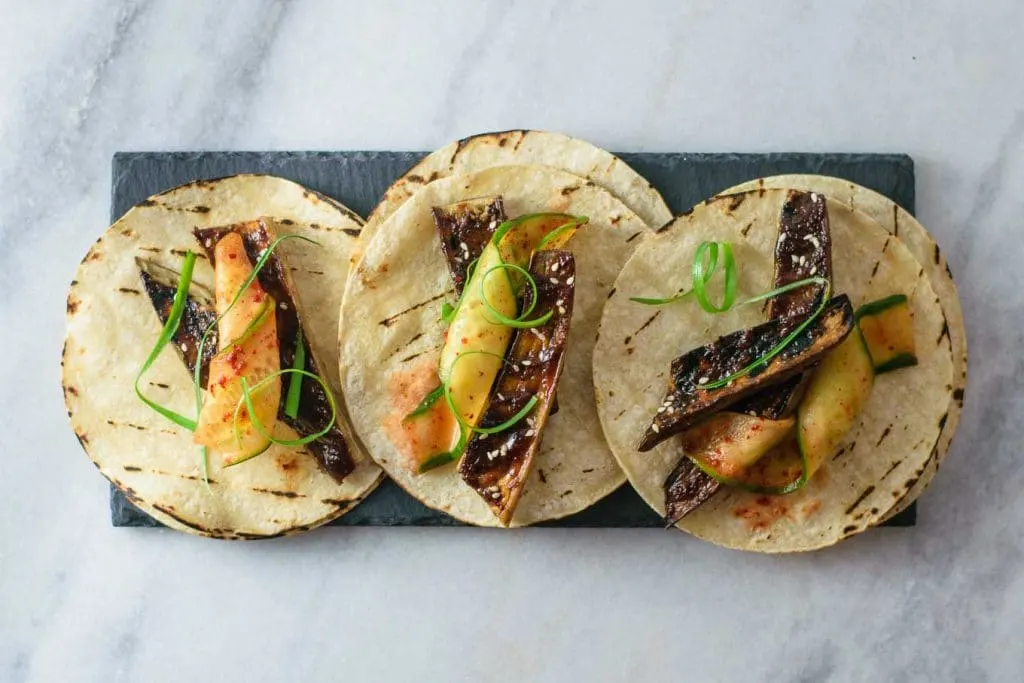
497	465
686	487
803	249
160	284
465	228
687	402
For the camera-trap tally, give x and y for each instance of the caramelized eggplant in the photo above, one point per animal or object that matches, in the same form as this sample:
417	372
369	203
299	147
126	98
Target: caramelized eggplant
465	228
497	465
687	401
160	284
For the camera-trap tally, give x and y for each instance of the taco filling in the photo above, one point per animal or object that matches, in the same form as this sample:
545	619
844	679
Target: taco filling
761	412
503	351
256	361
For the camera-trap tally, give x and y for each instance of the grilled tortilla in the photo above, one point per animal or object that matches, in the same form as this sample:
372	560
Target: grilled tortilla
112	326
878	461
393	334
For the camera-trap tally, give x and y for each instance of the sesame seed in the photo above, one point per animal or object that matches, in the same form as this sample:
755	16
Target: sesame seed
530	432
560	302
515	368
501	397
814	196
572	279
527	363
662	409
284	305
184	347
814	269
463	246
561	310
654	427
803	260
703	380
554	280
796	259
554	267
782	237
493	225
504	449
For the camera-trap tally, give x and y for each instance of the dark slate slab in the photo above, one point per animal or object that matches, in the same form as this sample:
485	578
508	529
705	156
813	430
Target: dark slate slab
358	179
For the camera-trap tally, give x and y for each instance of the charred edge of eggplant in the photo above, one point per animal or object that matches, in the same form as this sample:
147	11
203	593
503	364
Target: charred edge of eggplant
803	249
686	402
464	229
686	488
496	465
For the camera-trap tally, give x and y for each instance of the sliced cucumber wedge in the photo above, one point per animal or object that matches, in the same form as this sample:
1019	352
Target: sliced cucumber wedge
835	397
888	329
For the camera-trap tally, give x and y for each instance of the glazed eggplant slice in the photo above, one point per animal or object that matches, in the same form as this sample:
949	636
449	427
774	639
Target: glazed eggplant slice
686	487
687	401
330	450
803	249
497	465
160	284
465	228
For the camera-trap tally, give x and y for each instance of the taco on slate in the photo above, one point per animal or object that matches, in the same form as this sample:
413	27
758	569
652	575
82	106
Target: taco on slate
466	346
199	363
790	401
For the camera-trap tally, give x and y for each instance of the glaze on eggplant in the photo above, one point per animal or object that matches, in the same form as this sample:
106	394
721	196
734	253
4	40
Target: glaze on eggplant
161	284
687	401
465	228
496	465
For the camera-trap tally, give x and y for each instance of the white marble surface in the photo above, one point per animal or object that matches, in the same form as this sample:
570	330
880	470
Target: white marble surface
81	601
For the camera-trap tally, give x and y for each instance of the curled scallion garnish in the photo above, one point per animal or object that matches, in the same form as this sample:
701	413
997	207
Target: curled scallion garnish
519	322
246	402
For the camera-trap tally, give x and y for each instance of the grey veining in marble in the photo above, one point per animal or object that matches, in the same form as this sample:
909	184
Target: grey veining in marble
81	601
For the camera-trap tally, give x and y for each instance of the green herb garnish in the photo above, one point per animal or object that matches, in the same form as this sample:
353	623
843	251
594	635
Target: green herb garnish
246	401
166	334
291	402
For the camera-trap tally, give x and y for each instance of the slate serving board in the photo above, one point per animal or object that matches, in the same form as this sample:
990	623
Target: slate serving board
359	179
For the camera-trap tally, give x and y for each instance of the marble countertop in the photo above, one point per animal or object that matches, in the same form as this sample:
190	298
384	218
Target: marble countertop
81	601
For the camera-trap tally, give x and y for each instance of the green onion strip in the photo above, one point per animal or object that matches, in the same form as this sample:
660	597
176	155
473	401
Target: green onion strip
291	402
518	322
166	334
246	402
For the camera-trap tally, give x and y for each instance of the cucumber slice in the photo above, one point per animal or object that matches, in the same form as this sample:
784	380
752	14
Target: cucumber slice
835	397
888	329
727	444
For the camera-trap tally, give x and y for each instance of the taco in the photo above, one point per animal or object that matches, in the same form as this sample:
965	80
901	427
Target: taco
794	421
230	286
922	246
466	347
